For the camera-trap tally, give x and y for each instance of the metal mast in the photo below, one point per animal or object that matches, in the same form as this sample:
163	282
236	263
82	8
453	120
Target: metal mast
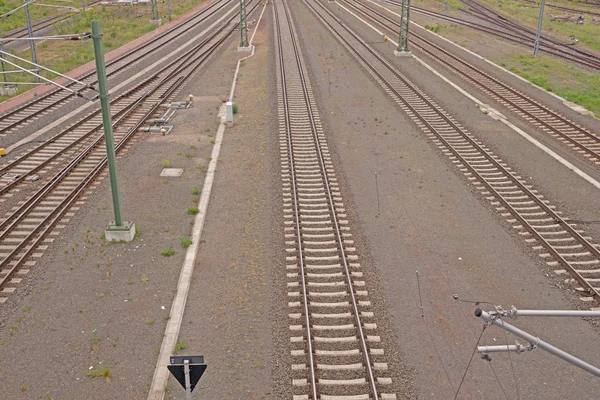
154	10
243	25
2	59
404	23
30	32
536	45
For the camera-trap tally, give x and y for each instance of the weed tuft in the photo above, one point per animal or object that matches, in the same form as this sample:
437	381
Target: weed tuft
192	211
168	252
186	241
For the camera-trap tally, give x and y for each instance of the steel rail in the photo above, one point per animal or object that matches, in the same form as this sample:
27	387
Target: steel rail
442	115
118	63
334	218
188	69
115	102
309	341
496	17
514	34
94	114
494	92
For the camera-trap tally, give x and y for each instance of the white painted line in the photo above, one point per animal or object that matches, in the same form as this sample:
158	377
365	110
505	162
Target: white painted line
494	114
165	59
567	103
161	373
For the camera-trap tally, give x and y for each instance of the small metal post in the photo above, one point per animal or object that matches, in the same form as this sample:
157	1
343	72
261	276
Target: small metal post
243	25
446	6
30	32
169	9
537	342
536	45
106	120
83	6
188	384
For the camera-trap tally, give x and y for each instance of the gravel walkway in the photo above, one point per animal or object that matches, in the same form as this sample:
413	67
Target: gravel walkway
228	316
89	304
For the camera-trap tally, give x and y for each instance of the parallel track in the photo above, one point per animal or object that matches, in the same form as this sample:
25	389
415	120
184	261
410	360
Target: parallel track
559	242
76	136
516	34
579	139
25	233
51	101
334	357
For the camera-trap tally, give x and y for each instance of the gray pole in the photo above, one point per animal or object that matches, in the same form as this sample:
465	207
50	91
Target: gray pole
2	59
169	9
106	121
536	45
83	6
537	342
446	5
30	31
552	313
188	385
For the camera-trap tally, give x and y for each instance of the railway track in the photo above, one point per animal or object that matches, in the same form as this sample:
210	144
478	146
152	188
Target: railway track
26	231
520	35
580	140
564	247
72	139
39	25
336	351
573	10
52	101
551	45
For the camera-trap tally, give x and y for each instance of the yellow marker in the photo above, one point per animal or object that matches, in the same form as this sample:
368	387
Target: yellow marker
385	38
2	152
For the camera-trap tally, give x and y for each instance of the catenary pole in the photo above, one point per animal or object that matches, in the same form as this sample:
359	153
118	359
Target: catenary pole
30	32
243	25
538	34
404	24
106	120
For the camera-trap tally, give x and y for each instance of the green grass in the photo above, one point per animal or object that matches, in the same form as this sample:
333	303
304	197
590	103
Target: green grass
192	211
168	252
186	242
196	190
180	345
566	80
234	108
166	163
100	373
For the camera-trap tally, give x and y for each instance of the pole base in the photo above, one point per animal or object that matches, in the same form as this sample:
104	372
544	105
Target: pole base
243	48
402	53
8	90
123	233
156	22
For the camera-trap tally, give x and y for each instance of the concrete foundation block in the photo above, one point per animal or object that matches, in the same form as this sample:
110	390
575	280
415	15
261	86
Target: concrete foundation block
124	233
8	90
156	22
402	53
249	48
